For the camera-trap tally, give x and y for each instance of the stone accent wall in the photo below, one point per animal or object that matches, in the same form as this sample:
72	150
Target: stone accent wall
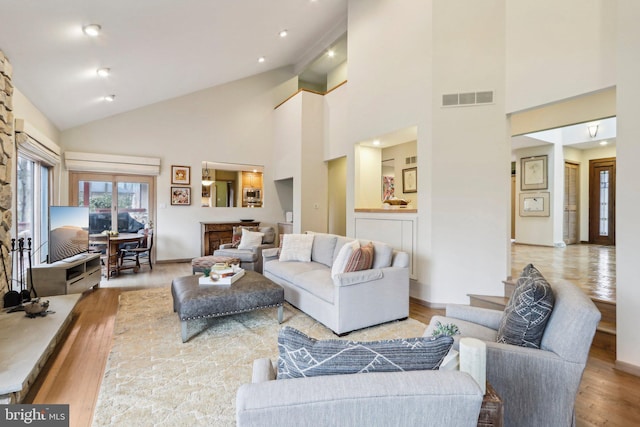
7	148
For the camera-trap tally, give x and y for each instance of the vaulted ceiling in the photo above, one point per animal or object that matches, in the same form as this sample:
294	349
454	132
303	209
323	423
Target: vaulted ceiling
155	49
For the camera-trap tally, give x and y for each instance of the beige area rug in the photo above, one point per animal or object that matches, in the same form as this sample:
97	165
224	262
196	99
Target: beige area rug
153	379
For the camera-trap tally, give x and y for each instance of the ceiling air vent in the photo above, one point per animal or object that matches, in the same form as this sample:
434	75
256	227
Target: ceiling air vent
467	99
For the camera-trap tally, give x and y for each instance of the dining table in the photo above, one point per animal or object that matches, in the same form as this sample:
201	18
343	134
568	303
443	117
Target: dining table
113	244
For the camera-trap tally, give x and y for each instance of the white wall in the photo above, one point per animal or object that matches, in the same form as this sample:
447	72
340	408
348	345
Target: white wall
25	110
471	190
230	123
314	174
337	75
368	169
337	197
336	124
287	133
558	49
535	230
464	221
628	190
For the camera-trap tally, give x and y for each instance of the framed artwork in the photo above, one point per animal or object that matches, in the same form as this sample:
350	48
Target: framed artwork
388	188
534	173
410	180
180	196
180	175
534	204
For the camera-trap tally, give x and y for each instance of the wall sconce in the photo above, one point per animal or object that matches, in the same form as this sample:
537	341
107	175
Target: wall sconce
206	176
593	130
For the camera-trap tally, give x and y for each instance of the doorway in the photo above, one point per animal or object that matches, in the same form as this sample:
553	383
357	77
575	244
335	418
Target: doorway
571	219
602	201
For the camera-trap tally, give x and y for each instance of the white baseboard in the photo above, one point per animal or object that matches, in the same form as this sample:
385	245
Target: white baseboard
628	368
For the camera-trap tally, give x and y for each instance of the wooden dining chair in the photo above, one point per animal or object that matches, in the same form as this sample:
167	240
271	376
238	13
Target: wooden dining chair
140	251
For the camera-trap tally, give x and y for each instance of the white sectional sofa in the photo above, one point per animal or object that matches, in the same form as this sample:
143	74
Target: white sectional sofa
346	301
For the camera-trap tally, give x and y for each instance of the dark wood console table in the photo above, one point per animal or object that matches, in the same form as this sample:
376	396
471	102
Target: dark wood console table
214	234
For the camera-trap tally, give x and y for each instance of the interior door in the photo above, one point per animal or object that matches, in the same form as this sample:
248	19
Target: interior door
602	201
571	228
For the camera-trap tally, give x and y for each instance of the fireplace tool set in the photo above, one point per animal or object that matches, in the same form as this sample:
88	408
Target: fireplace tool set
22	300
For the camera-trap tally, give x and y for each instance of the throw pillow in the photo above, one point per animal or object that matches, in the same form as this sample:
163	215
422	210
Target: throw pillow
296	247
527	312
269	234
250	239
237	234
384	255
303	356
360	259
343	257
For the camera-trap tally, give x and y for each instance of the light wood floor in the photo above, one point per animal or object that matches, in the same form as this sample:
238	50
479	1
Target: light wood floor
591	267
72	376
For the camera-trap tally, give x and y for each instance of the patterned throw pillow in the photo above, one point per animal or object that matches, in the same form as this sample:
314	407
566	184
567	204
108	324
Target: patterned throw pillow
303	356
360	259
528	311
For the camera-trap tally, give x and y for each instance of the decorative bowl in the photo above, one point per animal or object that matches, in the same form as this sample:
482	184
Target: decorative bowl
397	202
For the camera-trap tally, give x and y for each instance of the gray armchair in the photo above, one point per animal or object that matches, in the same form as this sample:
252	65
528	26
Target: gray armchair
416	398
250	259
538	386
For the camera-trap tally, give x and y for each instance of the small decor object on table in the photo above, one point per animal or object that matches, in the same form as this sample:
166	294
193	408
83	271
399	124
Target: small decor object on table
224	277
36	308
397	202
180	195
450	329
180	175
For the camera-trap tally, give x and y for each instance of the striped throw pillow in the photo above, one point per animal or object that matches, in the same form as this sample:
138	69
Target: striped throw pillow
360	259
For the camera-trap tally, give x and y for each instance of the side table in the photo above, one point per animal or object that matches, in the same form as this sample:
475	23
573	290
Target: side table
492	409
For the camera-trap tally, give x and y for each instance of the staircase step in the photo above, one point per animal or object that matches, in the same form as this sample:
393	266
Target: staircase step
607	309
488	301
509	286
605	338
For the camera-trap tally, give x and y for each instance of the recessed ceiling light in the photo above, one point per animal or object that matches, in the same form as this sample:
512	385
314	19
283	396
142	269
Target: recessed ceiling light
604	142
376	142
331	53
110	98
283	33
261	59
92	30
103	72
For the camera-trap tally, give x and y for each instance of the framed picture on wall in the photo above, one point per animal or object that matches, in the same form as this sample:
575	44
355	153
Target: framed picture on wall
180	175
410	180
180	196
534	204
534	173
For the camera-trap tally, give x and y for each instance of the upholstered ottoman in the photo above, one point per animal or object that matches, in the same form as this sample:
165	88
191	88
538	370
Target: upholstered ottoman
198	265
251	292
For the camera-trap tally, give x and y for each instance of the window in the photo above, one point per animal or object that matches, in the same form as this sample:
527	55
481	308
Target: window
33	192
117	202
